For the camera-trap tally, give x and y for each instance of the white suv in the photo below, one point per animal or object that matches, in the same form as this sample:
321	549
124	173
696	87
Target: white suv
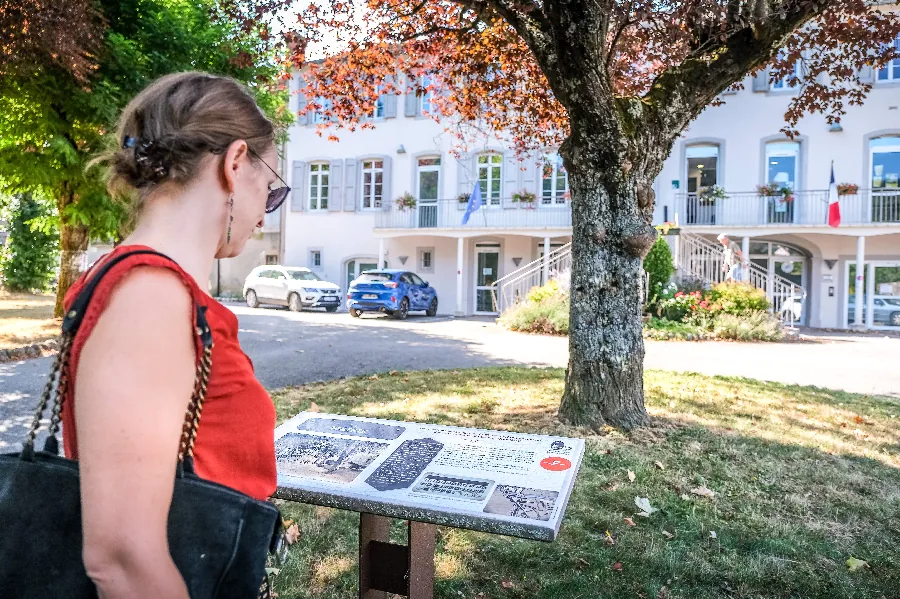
296	288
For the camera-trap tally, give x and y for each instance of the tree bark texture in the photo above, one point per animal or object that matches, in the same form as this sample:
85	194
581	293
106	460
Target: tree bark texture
73	245
610	236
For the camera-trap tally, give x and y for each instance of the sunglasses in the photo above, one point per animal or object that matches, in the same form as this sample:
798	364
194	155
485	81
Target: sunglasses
278	195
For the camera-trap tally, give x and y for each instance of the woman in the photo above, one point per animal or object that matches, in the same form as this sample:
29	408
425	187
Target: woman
198	156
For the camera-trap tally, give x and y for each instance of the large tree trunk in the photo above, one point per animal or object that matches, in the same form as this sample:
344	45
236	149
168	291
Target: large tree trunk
73	243
610	237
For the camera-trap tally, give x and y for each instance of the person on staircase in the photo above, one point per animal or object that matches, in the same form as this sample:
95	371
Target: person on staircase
733	259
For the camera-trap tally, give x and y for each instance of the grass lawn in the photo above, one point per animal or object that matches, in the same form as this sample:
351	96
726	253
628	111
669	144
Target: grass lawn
804	479
26	319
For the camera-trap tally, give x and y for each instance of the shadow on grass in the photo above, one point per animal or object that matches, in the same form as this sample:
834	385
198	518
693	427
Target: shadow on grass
785	518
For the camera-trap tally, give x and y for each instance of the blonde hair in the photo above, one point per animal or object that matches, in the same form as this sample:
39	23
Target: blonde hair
168	129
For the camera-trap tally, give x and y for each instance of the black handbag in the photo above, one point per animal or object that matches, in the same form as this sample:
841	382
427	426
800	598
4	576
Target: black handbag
218	537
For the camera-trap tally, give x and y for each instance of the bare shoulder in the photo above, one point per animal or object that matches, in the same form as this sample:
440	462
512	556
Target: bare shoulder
151	292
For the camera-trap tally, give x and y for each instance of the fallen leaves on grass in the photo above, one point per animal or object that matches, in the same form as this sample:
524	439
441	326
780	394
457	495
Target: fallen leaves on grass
314	407
631	476
617	566
668	535
506	583
855	564
292	534
644	504
630	522
609	540
704	492
659	465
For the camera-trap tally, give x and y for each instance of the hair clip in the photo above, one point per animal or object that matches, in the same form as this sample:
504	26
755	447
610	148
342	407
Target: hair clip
128	142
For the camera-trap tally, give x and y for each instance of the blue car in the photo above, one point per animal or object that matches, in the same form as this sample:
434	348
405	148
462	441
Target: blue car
394	292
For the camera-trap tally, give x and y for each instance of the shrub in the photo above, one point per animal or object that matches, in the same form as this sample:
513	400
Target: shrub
31	252
659	267
662	329
539	294
680	306
738	298
549	316
753	326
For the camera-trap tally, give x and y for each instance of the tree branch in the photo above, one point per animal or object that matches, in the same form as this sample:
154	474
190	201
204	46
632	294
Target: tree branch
681	92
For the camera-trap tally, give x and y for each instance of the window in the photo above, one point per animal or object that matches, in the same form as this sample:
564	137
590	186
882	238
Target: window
490	171
375	277
407	278
555	181
782	160
304	275
891	71
702	167
319	115
378	112
318	186
428	178
315	259
372	183
416	280
785	83
271	258
426	260
885	154
425	99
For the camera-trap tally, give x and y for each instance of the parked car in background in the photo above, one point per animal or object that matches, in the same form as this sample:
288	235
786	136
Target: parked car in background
296	288
886	312
394	292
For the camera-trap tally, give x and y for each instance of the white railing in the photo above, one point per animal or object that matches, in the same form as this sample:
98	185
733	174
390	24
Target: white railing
705	260
514	287
808	207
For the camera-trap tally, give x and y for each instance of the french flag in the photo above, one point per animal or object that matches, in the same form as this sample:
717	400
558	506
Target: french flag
834	208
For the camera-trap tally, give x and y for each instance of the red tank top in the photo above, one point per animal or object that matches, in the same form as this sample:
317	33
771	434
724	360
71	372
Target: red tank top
235	442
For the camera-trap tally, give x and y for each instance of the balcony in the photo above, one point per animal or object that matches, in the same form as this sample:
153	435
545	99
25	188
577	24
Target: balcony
808	208
448	214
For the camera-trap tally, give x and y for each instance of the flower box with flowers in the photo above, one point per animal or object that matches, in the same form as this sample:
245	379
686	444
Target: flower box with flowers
405	202
525	198
774	190
847	189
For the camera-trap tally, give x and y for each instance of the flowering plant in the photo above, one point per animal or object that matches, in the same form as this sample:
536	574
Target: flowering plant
405	201
847	189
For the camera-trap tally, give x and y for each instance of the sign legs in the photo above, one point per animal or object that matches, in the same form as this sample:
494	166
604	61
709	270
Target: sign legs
385	567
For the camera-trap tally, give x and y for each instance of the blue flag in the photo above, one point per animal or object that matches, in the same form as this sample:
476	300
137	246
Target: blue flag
474	202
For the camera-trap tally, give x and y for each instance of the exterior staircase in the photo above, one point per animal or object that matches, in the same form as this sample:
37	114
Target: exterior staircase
698	258
514	287
695	258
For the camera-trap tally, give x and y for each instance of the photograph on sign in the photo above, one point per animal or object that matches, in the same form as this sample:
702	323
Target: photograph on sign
521	502
326	458
453	486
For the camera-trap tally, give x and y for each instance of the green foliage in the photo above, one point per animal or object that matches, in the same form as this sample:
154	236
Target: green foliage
738	298
545	310
539	294
662	329
59	123
681	305
30	256
659	267
753	326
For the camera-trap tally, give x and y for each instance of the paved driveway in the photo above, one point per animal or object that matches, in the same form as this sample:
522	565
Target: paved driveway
290	349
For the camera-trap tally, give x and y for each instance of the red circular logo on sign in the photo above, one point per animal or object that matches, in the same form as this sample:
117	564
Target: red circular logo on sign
556	464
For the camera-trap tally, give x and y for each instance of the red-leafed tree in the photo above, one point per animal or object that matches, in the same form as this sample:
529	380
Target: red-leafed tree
66	34
613	83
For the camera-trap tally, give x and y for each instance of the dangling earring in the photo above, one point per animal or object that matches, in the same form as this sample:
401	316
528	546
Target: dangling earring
230	217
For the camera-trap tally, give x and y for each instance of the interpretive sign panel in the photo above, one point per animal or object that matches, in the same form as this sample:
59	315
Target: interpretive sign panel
494	481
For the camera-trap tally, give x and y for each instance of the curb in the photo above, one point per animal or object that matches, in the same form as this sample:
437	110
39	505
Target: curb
38	350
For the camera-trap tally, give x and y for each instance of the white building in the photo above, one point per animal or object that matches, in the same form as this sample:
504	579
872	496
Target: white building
343	215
